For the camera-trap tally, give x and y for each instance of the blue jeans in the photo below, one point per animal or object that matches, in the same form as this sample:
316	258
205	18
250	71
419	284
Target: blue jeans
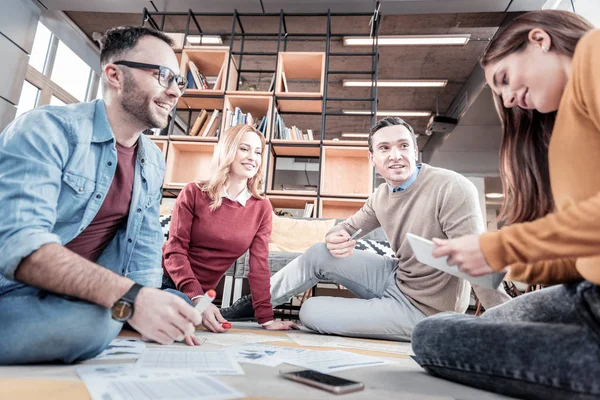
37	326
169	286
543	345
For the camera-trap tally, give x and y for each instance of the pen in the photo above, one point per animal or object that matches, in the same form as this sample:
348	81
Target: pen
355	234
206	300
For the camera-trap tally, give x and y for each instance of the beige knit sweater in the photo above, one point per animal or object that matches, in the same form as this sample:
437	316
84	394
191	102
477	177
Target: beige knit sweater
439	204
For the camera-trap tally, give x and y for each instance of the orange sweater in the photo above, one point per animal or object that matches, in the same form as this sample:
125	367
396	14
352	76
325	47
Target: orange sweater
565	245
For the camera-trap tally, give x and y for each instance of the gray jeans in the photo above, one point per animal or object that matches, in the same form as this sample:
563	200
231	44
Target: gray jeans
381	311
543	345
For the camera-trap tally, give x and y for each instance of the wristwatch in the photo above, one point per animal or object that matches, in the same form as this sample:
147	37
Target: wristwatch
122	310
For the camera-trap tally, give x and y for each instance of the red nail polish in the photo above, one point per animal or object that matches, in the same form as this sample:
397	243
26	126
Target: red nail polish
226	325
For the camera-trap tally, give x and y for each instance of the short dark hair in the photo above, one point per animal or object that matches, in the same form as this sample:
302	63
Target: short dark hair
117	40
390	121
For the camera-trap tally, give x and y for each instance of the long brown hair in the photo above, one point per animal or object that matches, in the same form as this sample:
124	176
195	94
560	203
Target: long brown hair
224	155
526	133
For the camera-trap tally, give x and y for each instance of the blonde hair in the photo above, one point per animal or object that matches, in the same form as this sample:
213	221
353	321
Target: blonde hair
224	155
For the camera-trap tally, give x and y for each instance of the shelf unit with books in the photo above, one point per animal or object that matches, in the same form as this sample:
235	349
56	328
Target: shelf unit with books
341	177
298	206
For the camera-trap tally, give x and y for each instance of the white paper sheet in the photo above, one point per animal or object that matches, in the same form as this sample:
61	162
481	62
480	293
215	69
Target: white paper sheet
334	360
125	382
216	362
262	354
423	249
236	338
339	342
122	349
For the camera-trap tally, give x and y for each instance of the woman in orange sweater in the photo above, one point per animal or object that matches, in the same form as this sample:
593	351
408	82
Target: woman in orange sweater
544	70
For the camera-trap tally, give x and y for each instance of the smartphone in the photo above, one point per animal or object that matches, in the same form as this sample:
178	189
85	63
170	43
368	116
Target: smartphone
324	381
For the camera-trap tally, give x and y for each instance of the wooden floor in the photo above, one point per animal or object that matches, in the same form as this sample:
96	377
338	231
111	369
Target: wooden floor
401	380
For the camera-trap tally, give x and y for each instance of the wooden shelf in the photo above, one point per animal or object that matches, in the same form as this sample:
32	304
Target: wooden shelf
307	148
210	62
258	106
291	193
298	202
345	171
355	143
300	65
186	138
248	93
339	208
187	162
162	145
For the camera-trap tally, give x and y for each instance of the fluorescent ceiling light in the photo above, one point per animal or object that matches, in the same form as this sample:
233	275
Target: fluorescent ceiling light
494	195
408	40
355	135
551	4
396	82
391	113
204	39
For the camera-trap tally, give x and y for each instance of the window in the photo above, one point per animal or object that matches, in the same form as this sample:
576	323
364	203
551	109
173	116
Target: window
28	99
41	45
55	101
70	72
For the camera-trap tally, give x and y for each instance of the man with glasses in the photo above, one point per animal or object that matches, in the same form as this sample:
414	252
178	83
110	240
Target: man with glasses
80	189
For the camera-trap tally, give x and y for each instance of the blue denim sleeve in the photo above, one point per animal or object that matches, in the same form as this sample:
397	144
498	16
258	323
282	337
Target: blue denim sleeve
33	150
146	259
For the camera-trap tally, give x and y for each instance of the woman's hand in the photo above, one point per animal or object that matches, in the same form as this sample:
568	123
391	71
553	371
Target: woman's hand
465	253
212	319
281	326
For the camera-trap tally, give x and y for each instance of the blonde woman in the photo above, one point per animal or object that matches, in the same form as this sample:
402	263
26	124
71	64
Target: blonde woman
216	221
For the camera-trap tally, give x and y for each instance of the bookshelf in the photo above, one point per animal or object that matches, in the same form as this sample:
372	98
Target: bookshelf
337	176
345	171
161	143
187	162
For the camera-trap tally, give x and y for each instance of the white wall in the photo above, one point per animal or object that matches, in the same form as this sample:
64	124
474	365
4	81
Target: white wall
18	22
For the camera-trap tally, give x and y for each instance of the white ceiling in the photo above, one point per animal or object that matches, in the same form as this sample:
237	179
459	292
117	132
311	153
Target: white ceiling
291	6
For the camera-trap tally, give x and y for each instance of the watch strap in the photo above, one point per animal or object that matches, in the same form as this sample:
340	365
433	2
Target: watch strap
132	293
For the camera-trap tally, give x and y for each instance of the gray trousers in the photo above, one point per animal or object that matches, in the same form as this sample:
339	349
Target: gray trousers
381	311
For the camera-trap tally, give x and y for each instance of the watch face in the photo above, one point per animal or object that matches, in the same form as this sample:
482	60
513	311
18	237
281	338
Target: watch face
122	311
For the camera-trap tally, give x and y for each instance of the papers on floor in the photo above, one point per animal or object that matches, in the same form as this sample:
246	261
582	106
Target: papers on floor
216	362
126	382
262	354
236	338
339	342
122	349
333	361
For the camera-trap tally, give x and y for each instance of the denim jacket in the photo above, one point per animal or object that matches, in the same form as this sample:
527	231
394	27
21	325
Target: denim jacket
56	167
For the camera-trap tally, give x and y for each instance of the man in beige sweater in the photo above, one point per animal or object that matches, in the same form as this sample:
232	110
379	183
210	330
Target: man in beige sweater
394	294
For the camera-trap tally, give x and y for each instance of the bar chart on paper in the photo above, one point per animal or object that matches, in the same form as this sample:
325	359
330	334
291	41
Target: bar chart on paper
217	362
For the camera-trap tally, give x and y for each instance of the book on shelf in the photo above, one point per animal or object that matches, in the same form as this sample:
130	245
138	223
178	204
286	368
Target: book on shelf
285	84
272	84
208	127
190	80
200	120
199	78
308	210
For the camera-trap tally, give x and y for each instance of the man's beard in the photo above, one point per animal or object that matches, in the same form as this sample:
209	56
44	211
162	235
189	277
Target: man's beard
138	105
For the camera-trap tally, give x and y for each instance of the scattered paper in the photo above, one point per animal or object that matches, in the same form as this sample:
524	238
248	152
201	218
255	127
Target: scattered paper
122	349
125	382
262	354
339	342
236	338
334	360
217	362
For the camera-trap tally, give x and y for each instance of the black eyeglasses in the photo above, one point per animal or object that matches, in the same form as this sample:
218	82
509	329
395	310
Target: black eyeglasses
166	76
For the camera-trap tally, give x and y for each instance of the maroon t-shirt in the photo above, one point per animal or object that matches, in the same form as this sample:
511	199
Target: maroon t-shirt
114	210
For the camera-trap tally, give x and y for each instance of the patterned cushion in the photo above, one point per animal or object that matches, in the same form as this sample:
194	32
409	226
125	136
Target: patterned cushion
380	247
165	222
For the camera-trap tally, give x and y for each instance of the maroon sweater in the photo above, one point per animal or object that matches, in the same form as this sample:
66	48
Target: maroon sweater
203	244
